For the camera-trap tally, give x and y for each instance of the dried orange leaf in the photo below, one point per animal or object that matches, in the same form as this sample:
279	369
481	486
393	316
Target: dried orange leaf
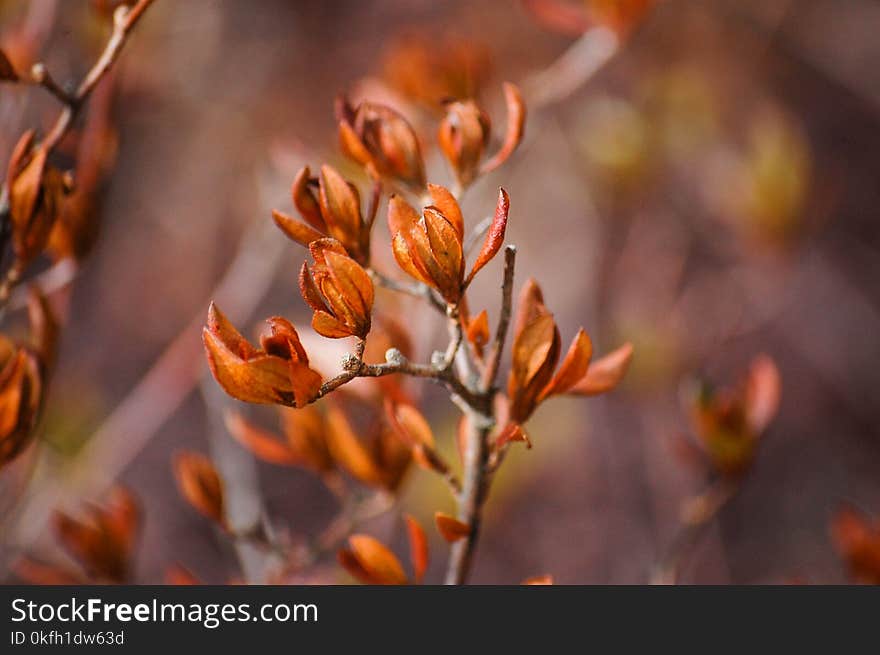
442	199
418	548
301	191
200	484
349	561
574	366
516	121
605	373
294	229
494	237
377	560
410	425
348	451
512	433
451	529
478	331
263	444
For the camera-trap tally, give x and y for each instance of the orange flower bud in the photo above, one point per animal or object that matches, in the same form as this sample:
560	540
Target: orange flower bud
377	137
536	351
463	136
102	539
200	485
332	208
278	373
21	396
729	422
429	248
338	290
36	191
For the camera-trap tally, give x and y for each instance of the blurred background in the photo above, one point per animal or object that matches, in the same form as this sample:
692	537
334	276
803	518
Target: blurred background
709	194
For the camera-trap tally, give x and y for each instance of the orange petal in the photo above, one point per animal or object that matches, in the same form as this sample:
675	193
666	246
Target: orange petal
418	547
401	215
305	382
263	444
451	529
762	394
340	206
304	200
409	423
574	366
516	121
404	258
349	561
530	305
294	229
227	334
512	433
442	199
445	246
494	237
352	146
605	373
348	451
377	560
478	331
200	484
262	379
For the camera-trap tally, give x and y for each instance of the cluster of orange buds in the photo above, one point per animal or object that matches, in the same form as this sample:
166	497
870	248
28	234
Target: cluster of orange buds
429	246
331	207
338	290
857	539
574	17
23	376
35	189
201	485
534	376
276	373
730	422
369	560
465	131
101	540
380	139
326	442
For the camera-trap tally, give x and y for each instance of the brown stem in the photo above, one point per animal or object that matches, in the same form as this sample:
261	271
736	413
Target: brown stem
124	20
417	290
471	498
493	361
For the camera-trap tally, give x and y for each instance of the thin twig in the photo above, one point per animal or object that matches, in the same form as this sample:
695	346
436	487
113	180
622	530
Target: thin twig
416	290
124	20
493	361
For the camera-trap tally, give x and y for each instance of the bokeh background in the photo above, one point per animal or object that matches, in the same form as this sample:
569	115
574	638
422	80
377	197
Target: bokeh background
710	194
